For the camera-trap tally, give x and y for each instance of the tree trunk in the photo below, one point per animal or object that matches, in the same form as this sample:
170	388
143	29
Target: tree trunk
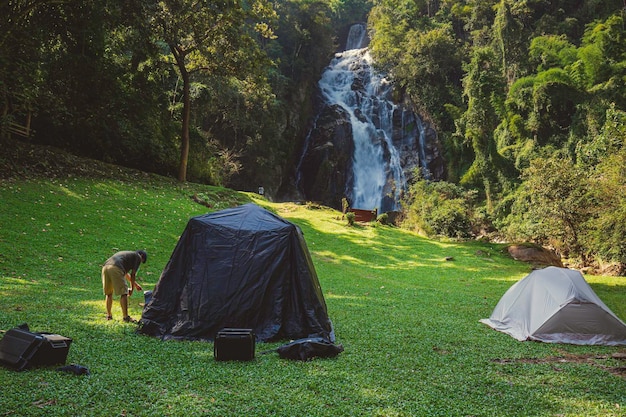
179	55
184	134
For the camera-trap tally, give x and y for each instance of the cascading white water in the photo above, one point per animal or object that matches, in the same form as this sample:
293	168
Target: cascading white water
351	82
357	37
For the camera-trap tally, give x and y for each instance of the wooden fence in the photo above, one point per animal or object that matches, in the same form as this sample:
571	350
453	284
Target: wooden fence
14	128
18	129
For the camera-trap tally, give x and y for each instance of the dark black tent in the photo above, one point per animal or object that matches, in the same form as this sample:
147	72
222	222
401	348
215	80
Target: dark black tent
243	267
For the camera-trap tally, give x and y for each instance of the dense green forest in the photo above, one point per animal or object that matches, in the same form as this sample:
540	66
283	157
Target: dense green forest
528	99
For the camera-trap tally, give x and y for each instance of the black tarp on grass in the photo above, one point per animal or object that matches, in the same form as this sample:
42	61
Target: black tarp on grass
243	267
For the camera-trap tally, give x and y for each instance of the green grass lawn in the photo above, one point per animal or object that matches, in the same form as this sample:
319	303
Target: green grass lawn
407	318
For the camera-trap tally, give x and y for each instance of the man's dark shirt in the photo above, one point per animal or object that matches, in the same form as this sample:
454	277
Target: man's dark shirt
125	260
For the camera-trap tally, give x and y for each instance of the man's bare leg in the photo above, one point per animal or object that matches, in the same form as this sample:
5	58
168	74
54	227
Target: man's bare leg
109	304
124	305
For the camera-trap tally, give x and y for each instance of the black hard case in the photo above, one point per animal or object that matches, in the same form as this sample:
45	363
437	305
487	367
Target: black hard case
234	345
21	349
53	350
18	347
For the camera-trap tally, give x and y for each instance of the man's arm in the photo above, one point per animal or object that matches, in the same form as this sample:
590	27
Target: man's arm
130	277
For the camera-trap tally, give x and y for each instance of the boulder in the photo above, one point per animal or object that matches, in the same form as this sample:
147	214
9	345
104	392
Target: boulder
535	255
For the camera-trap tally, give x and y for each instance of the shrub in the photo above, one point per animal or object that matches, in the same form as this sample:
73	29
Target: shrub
450	219
439	208
383	219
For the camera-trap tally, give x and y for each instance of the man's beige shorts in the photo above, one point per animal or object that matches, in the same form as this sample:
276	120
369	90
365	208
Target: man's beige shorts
113	280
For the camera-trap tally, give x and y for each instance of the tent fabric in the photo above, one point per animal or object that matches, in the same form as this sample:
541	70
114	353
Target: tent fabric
556	305
243	267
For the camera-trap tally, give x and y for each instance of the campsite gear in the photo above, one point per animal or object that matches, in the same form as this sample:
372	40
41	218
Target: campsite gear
309	348
556	305
18	347
74	369
242	267
53	350
21	349
147	296
234	345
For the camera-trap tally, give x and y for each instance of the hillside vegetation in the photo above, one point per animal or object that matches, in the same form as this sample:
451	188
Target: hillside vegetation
528	101
405	308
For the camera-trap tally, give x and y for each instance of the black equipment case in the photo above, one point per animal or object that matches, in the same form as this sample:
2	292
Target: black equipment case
21	349
18	347
53	351
234	345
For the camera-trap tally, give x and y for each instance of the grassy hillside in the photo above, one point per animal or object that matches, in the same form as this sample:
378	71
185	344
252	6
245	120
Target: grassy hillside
407	317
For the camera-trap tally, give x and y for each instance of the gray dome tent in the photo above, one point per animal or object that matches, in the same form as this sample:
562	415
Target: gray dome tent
243	267
556	305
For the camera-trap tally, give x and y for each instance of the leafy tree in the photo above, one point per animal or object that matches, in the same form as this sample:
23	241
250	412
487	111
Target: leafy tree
74	65
304	40
217	38
347	12
22	33
484	91
480	21
579	207
508	40
604	159
602	55
553	204
551	51
554	100
390	20
429	72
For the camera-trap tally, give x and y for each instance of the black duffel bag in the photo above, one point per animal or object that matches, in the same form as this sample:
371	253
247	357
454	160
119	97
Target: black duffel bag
309	348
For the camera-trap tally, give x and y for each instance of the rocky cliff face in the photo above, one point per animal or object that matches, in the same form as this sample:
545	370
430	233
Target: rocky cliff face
418	145
326	166
363	146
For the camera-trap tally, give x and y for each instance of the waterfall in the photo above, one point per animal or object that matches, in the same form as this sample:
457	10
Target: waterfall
362	145
351	82
357	37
